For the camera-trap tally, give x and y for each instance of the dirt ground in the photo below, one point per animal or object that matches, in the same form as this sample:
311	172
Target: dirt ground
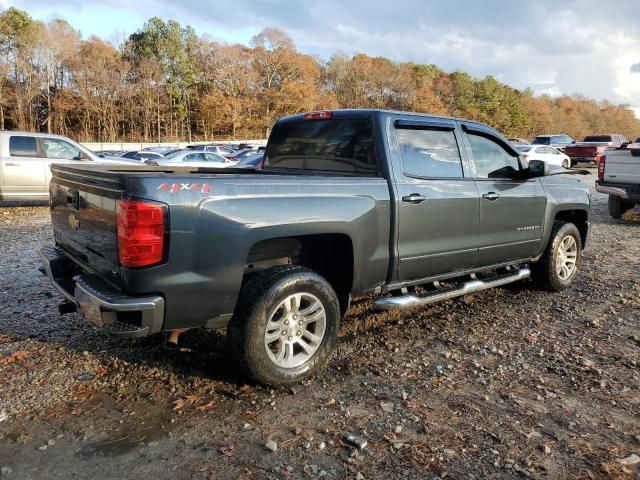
507	383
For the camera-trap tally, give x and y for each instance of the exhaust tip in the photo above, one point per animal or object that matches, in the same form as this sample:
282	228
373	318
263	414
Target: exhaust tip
67	307
171	343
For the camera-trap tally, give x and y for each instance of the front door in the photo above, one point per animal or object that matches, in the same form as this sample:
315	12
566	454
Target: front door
511	210
437	203
57	150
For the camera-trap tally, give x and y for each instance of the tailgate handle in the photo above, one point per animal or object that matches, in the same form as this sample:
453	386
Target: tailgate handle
73	199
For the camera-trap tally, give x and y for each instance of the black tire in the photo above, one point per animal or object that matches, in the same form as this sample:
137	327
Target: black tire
258	301
545	270
616	206
566	164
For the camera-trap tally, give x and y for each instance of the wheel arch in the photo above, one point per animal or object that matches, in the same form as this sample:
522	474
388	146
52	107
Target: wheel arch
580	218
331	255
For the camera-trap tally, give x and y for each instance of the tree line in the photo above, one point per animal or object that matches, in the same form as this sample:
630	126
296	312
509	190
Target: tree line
166	83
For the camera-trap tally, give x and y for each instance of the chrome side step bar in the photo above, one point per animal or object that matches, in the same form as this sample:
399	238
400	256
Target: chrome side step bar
470	286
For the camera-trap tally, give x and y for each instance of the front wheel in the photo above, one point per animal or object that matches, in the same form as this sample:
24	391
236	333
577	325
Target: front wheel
566	163
285	325
559	265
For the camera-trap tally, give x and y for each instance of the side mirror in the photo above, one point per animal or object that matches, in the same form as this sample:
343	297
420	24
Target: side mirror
538	168
83	156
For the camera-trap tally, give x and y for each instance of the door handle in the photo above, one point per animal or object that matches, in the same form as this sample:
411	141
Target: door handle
491	196
414	198
9	164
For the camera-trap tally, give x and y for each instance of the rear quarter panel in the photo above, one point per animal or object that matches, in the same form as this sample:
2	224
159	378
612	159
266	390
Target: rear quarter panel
211	235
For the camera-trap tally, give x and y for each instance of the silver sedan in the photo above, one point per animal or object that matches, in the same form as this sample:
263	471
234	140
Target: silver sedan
193	158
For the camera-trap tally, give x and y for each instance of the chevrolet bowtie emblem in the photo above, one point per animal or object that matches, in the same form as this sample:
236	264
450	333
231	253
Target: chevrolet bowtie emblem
74	222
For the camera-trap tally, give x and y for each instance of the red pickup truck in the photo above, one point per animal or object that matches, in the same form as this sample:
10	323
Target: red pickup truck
593	148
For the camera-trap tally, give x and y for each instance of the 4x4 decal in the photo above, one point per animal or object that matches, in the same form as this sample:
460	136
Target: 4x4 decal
192	187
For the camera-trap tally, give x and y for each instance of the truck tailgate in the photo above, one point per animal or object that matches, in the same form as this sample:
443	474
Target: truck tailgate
83	213
582	151
622	167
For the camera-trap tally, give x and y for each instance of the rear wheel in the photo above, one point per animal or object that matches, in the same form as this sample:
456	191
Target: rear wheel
618	206
285	325
559	265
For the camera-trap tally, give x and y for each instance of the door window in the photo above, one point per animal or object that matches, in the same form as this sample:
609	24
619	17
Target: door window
491	159
430	153
20	146
212	157
59	149
194	157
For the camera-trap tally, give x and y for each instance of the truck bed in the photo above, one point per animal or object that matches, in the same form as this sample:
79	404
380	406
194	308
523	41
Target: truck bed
214	217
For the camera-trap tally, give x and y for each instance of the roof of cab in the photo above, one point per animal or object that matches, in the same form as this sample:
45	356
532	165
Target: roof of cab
363	112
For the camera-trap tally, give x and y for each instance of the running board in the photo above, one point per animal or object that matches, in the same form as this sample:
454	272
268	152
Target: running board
470	286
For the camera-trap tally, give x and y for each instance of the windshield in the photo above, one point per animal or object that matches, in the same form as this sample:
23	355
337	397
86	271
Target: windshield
542	140
524	148
174	154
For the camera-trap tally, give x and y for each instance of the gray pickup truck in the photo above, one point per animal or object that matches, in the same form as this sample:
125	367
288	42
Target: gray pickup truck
348	203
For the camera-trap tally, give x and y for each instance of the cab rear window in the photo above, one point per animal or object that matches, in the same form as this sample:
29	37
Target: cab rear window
335	145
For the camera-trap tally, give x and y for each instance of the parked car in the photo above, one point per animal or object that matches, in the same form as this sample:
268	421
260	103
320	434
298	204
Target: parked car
559	141
276	254
142	155
110	153
550	155
253	161
194	158
519	141
594	147
162	150
25	159
619	177
245	152
217	149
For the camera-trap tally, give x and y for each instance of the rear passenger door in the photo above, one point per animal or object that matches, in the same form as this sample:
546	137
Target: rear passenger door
23	170
511	210
437	200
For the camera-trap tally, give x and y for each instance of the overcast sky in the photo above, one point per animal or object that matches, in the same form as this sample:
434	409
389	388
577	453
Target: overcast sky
570	46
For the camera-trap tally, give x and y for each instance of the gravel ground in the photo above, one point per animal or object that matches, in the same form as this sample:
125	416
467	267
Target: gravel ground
510	382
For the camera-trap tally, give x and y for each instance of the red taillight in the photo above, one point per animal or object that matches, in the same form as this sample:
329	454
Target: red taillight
601	164
141	232
324	115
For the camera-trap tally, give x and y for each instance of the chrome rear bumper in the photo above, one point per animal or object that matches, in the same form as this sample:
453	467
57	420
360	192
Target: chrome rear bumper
120	315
